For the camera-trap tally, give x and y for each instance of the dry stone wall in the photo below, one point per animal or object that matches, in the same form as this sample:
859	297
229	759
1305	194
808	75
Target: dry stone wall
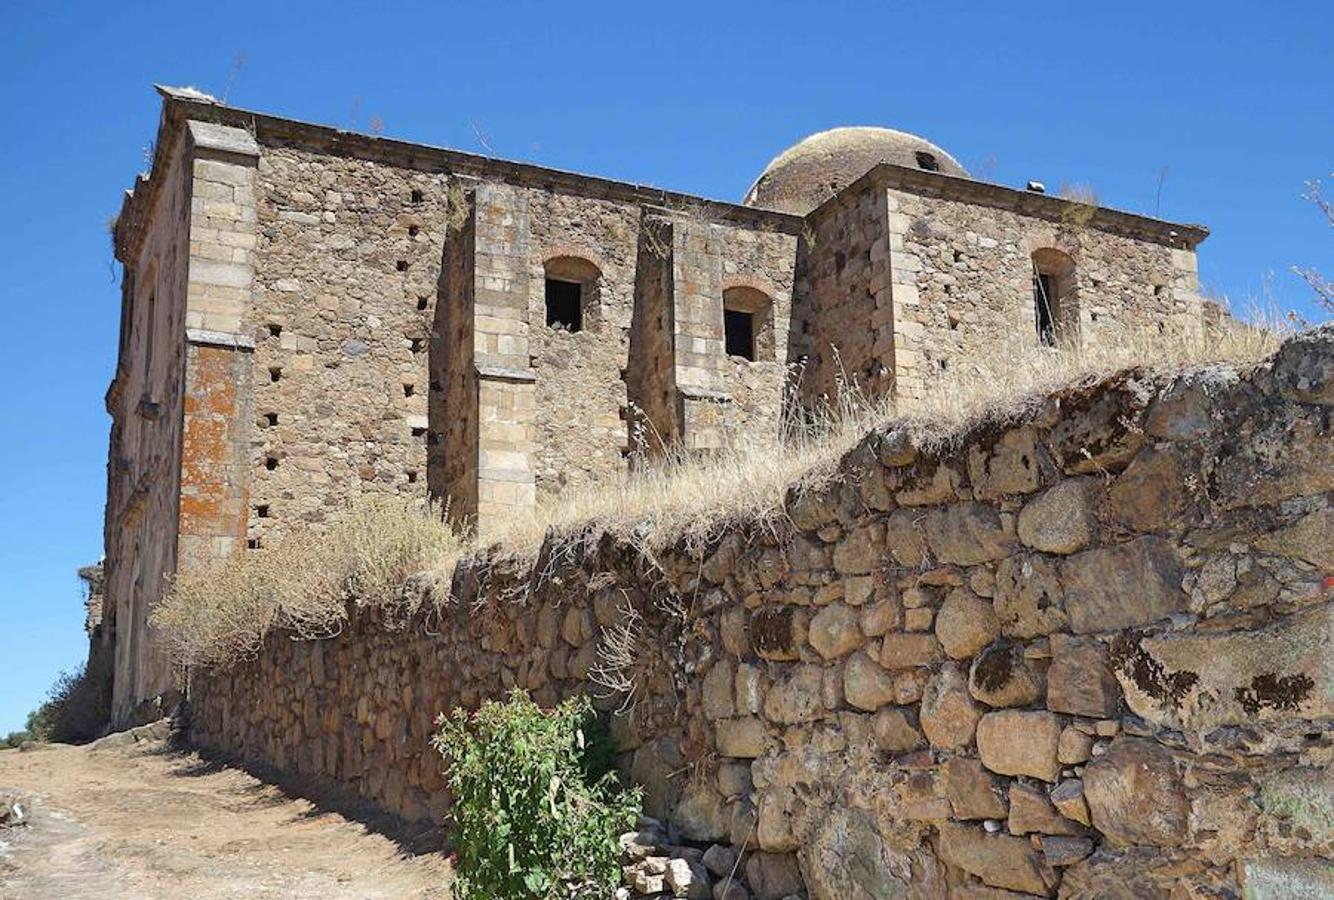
1079	653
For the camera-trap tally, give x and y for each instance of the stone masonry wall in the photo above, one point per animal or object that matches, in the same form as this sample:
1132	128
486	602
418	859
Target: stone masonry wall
847	329
963	284
145	401
346	272
1080	653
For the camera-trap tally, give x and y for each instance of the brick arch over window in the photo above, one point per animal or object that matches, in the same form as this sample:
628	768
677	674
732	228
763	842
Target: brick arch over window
572	289
1055	297
748	323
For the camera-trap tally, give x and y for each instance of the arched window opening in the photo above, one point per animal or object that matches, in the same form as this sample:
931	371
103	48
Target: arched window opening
570	293
748	330
1055	305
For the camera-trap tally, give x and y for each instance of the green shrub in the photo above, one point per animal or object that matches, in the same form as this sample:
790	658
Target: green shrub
77	706
535	808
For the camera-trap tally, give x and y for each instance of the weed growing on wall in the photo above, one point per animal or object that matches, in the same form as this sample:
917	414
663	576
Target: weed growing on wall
537	810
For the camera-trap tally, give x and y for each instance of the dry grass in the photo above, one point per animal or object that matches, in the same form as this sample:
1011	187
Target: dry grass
304	584
687	498
366	556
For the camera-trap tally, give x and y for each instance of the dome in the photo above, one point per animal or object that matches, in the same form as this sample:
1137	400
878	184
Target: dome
816	168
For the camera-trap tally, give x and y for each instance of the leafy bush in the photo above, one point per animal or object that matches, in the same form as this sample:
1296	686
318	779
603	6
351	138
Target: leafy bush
536	809
77	707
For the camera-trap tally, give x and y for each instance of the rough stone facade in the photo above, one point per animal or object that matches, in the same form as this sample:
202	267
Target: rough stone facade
334	313
1081	654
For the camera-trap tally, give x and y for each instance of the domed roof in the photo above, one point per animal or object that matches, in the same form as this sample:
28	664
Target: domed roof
816	168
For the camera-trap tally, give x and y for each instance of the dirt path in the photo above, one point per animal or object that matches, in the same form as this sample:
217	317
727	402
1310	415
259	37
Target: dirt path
147	821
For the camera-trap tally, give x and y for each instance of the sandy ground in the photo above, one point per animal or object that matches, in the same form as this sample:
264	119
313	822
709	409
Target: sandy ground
149	821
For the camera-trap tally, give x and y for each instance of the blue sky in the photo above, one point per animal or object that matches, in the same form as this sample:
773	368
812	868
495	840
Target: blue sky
1232	99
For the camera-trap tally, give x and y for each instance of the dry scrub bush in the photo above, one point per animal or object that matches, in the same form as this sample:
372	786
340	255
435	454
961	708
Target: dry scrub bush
218	615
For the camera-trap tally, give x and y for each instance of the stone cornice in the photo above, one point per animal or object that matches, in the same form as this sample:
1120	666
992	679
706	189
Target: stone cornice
203	337
179	106
888	176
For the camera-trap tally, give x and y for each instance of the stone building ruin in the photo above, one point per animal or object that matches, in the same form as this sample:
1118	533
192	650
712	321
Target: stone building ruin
309	314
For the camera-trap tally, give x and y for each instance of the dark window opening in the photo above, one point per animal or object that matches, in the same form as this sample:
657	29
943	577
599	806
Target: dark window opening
275	329
412	230
421	303
270	462
739	333
412	477
927	161
563	305
149	330
275	373
252	544
262	510
417	196
409	390
1043	301
271	418
402	265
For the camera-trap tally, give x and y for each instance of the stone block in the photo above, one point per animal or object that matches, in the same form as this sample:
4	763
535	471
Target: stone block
949	716
998	859
1060	520
744	738
1079	680
1135	795
1123	586
1019	742
965	624
835	631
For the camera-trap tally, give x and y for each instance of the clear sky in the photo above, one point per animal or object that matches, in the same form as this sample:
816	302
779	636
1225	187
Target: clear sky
1231	100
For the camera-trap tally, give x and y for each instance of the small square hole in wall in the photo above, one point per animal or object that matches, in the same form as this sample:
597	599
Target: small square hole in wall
421	303
262	510
401	265
409	390
252	544
418	432
412	230
417	195
275	329
271	418
270	462
412	477
275	373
